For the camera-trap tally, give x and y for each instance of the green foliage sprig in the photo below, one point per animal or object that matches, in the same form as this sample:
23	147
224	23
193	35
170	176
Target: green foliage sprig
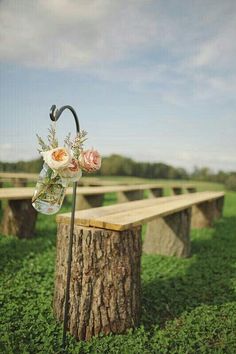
52	140
76	145
42	145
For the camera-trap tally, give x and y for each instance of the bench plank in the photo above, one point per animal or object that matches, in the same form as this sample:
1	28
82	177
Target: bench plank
137	214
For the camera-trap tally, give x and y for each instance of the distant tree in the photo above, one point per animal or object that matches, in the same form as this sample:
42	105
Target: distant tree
231	182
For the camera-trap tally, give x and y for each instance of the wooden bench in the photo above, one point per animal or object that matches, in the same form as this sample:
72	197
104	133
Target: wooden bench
93	196
18	179
20	217
105	275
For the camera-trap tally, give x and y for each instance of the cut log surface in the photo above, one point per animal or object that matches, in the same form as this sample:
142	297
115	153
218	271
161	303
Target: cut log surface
105	280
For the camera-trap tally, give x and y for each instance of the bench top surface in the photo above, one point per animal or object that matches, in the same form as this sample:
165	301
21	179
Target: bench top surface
12	175
126	215
15	193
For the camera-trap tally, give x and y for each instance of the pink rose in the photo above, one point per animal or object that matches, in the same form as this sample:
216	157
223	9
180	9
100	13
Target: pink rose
73	172
90	160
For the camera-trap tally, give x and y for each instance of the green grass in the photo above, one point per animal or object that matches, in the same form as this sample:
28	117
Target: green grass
189	305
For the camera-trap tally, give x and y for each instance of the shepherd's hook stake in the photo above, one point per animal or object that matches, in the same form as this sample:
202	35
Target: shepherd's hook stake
54	116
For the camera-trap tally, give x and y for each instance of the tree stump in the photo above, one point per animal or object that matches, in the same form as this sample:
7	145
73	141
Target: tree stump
177	190
219	205
105	280
89	201
123	197
155	192
204	214
170	235
19	219
20	182
191	189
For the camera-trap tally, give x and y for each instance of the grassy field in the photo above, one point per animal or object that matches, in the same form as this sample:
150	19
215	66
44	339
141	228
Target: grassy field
189	305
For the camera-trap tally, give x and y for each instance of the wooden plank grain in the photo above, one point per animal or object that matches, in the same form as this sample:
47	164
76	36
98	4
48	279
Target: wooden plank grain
123	216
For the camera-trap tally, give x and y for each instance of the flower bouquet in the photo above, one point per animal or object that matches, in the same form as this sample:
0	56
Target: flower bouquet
62	166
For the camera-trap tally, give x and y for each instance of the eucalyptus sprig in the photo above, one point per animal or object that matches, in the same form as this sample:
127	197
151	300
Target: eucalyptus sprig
77	145
52	139
42	145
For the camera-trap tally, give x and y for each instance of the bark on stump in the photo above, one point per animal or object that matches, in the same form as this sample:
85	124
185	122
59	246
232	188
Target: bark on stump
128	196
105	280
204	214
155	192
19	219
170	235
89	201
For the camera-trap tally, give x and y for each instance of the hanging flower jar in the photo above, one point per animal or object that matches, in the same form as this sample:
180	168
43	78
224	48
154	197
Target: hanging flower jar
62	166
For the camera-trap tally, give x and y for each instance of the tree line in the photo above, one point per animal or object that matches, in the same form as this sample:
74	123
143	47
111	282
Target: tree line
117	165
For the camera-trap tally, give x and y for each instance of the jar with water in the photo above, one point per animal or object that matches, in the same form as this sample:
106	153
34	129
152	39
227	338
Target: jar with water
49	192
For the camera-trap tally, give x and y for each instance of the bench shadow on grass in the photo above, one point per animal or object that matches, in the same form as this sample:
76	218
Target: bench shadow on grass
206	278
15	251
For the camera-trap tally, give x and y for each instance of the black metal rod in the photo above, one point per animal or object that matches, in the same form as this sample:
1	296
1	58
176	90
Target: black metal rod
54	115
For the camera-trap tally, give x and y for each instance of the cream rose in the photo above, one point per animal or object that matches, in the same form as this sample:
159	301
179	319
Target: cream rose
57	159
90	160
73	172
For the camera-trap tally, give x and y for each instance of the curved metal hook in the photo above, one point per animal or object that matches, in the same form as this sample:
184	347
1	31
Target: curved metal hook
55	114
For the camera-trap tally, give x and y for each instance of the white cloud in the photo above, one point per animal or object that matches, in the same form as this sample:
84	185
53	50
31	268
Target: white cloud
72	34
175	46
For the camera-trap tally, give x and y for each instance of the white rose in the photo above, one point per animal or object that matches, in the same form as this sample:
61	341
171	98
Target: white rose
57	159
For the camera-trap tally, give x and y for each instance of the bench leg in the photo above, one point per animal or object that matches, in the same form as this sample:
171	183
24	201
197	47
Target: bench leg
19	182
219	205
1	185
89	201
105	280
191	190
155	192
19	219
204	214
177	190
170	235
123	197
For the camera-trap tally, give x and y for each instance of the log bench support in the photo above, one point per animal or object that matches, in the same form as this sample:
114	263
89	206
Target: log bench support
127	196
20	182
105	280
155	192
89	201
177	190
19	219
191	189
204	214
170	235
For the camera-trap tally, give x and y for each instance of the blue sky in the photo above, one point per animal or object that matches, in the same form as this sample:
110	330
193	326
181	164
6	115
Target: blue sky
152	80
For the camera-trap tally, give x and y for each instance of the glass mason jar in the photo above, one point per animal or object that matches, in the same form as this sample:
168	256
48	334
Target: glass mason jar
49	192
